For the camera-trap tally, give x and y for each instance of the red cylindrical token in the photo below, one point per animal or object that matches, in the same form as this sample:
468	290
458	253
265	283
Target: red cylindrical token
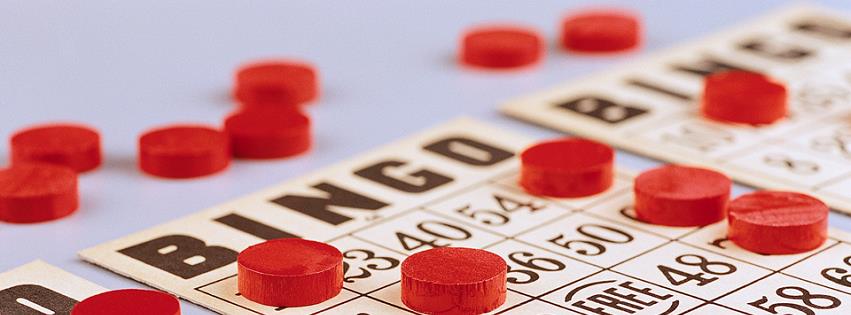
454	281
569	167
183	151
681	196
743	97
276	82
601	31
290	272
501	47
74	146
128	302
268	134
777	222
37	192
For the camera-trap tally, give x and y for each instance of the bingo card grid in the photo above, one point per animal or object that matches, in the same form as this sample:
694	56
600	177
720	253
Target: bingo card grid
650	107
565	255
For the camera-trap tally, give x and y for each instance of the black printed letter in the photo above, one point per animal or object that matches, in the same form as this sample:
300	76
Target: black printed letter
469	151
416	182
172	253
318	207
36	294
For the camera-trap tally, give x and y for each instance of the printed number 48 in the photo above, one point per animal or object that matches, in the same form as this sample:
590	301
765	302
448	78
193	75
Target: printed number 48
679	277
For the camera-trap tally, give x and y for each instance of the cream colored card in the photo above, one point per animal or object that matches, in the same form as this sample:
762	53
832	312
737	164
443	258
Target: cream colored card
651	106
455	185
39	288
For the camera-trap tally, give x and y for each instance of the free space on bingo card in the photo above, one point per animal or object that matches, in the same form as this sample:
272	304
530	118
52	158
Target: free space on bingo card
651	106
455	185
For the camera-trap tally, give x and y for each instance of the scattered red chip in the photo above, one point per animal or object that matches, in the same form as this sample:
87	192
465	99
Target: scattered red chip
183	151
74	146
501	47
681	196
37	192
601	31
268	134
777	222
290	272
276	83
569	167
743	97
453	280
128	302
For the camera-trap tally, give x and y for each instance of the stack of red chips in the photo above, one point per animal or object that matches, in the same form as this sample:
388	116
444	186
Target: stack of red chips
268	124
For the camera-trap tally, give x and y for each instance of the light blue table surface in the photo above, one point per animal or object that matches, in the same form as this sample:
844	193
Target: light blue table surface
387	71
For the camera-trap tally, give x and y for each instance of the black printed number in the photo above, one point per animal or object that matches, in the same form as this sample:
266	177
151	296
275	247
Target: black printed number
598	235
679	277
700	137
801	167
373	263
496	217
438	231
810	301
839	275
530	266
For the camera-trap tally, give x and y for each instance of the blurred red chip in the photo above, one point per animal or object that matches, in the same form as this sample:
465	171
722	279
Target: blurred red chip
501	47
569	167
278	83
37	192
777	222
743	97
128	302
601	31
74	146
183	151
268	133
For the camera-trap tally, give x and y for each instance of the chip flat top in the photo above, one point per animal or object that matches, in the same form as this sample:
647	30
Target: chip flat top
453	266
778	209
682	183
128	302
567	155
290	257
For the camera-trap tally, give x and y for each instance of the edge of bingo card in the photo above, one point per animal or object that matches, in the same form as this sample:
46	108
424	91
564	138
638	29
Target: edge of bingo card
257	207
540	107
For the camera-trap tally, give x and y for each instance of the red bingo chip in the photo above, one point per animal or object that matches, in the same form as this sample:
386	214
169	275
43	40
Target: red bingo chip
37	192
777	222
268	133
453	280
743	97
569	167
676	195
128	302
74	146
501	47
276	83
599	31
290	272
183	151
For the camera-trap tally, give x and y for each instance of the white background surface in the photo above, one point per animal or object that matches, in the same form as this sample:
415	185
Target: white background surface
387	70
